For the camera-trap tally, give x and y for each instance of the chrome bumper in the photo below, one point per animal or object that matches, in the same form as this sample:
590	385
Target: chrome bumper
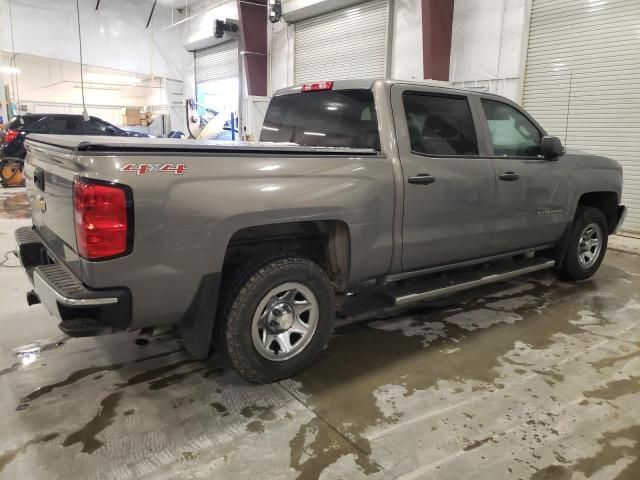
82	311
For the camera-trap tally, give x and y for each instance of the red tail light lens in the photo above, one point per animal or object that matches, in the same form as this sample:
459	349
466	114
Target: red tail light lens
11	135
101	219
316	86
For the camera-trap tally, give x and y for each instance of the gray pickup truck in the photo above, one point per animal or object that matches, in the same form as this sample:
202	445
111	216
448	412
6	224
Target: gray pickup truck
409	189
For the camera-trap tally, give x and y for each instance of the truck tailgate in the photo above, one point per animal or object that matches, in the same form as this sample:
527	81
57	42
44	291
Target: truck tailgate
50	171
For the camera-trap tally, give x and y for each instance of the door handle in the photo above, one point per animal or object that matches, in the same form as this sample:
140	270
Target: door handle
509	177
422	179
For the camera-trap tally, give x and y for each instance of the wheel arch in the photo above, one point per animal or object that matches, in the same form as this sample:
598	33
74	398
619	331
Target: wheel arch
326	242
606	201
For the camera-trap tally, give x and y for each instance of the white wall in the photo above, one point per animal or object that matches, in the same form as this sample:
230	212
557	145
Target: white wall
488	47
49	85
406	63
113	36
406	44
49	80
280	37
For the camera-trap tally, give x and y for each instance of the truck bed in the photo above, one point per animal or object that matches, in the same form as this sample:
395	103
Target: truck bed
183	220
81	143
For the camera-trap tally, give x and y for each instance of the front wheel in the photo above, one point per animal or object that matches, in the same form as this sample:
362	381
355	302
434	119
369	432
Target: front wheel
278	316
587	244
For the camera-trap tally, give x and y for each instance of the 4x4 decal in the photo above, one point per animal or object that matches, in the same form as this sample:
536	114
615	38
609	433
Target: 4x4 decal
144	168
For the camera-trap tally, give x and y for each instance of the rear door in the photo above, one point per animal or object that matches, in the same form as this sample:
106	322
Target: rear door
449	189
531	191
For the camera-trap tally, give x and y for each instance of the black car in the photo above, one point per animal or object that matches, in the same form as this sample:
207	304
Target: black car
17	123
61	124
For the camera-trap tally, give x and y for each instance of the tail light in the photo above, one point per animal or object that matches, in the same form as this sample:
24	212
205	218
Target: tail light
10	136
317	86
103	219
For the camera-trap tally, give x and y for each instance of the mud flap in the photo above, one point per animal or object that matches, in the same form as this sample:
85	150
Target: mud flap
560	250
196	327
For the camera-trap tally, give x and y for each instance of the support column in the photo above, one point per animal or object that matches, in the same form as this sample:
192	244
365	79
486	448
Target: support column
437	23
253	32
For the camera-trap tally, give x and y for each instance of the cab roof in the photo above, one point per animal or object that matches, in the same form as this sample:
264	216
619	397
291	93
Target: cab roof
367	84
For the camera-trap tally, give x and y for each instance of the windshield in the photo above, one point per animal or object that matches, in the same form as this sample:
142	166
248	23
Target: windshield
336	118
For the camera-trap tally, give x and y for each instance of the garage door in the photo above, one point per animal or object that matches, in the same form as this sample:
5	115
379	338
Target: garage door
583	81
347	43
219	61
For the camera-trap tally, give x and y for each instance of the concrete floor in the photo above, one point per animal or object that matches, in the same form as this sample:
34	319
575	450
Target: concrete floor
532	379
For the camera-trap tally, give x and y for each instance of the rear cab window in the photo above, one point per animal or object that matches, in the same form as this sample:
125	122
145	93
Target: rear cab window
22	121
334	118
440	125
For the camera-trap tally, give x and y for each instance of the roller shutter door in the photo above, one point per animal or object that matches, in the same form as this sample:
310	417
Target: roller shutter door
219	61
347	43
582	82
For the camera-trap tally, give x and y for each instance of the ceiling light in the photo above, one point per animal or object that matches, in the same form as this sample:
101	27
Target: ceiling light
109	78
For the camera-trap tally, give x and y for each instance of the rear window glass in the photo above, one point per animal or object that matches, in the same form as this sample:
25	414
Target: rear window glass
440	125
17	123
337	118
60	124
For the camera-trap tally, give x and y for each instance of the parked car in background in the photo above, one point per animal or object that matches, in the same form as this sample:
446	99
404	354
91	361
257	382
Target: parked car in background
58	123
17	123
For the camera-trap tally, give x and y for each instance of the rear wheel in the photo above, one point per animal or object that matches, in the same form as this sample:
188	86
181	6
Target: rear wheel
587	244
278	316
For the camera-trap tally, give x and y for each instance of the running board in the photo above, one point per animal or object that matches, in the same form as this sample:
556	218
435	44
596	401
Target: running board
439	287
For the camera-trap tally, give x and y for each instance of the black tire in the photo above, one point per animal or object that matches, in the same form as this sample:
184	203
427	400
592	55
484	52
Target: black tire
571	268
248	286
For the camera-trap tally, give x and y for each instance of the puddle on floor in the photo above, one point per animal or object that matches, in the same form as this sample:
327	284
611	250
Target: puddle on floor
431	345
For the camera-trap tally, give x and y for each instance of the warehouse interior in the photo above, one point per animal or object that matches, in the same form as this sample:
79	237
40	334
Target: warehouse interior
536	377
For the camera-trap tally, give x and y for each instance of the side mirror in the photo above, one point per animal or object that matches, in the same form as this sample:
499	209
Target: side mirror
110	129
551	148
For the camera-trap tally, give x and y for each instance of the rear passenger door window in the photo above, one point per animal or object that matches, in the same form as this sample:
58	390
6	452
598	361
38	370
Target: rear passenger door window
440	125
511	132
56	125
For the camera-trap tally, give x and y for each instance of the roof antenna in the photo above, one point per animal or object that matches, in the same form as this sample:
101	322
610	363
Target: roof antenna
85	115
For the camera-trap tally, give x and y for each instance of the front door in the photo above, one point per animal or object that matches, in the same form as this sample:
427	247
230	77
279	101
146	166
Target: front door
449	189
531	191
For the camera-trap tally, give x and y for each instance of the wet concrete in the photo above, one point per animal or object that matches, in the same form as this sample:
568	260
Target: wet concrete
532	379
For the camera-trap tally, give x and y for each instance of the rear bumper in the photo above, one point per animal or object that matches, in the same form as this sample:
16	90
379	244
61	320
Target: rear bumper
82	311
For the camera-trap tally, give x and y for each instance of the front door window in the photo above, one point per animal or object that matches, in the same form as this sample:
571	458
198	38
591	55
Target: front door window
512	133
